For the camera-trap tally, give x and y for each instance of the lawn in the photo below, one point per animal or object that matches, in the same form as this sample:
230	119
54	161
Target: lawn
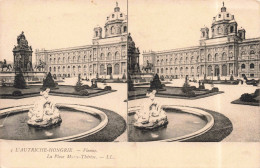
140	92
34	90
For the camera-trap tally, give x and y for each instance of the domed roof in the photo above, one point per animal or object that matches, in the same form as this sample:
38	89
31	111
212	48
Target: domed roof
116	15
223	15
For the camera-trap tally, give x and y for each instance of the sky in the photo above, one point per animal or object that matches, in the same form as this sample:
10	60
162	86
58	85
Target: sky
153	24
52	24
169	24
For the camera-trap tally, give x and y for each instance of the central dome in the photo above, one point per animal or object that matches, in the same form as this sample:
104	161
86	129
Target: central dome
223	15
116	15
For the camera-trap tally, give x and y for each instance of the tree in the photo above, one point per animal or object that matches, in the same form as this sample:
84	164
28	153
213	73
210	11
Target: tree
156	83
19	81
79	84
186	86
48	82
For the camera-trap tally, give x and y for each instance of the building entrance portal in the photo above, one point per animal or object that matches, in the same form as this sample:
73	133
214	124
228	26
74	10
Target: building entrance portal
216	70
109	69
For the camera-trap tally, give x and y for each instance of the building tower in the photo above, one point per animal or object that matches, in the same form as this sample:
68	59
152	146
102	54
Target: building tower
224	24
242	33
97	32
116	23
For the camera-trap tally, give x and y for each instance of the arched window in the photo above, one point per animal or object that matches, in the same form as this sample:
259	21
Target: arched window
186	70
74	59
231	29
109	56
209	57
85	68
192	59
54	69
63	59
161	70
181	71
198	59
112	30
231	55
216	57
68	69
162	62
54	60
176	60
63	69
117	56
58	60
50	69
90	58
181	60
219	30
102	57
73	68
125	29
186	60
84	58
252	66
50	60
68	59
243	66
157	70
58	69
192	70
252	52
102	69
116	69
79	69
224	56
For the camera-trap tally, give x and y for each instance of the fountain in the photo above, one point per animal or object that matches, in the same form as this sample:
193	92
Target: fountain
44	113
155	122
50	121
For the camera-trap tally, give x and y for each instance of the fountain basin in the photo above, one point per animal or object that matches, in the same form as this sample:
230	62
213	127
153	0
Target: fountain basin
183	123
77	122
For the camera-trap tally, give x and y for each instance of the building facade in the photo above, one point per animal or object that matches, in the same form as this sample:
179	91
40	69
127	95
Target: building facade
226	52
105	57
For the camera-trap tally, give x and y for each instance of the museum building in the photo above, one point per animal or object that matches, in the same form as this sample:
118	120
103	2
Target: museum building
226	52
106	57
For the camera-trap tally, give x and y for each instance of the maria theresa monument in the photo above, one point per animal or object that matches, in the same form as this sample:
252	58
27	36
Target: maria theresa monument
223	50
105	57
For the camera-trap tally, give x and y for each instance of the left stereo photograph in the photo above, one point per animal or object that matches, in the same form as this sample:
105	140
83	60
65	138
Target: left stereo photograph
63	74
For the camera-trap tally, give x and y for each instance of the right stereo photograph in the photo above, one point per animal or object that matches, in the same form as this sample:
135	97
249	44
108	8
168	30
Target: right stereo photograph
193	71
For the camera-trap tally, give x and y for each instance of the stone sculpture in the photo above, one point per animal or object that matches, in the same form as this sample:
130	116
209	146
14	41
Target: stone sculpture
151	114
44	113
